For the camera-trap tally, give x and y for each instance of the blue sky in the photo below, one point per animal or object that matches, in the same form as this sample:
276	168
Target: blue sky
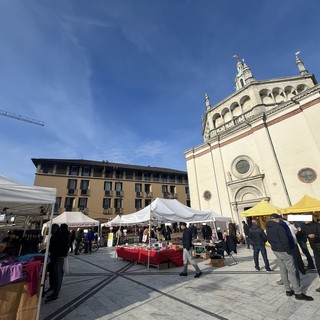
124	80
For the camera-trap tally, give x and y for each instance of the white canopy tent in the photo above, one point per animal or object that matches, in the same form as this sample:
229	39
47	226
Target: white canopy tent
20	199
167	210
74	219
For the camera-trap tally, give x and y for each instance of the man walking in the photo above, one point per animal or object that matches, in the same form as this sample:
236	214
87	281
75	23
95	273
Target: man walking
280	245
187	247
246	233
312	230
258	240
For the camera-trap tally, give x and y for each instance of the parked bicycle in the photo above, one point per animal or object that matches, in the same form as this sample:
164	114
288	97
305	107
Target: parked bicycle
94	247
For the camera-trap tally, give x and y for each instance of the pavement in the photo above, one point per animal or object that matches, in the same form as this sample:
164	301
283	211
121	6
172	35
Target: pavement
101	286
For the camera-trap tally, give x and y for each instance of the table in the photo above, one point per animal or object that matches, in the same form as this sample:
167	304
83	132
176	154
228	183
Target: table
156	258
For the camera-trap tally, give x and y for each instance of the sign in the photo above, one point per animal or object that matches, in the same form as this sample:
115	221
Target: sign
110	240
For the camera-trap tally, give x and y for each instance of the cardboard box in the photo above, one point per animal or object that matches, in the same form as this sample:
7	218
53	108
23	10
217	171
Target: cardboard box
218	263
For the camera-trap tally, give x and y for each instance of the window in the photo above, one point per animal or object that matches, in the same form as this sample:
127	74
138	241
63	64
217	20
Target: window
107	186
147	202
86	171
74	171
147	188
207	195
118	204
242	166
118	186
307	175
82	203
138	175
57	205
187	191
172	189
106	204
69	203
164	188
138	187
72	186
84	186
138	204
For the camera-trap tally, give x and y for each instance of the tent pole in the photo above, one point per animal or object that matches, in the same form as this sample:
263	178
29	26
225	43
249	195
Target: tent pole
149	251
44	267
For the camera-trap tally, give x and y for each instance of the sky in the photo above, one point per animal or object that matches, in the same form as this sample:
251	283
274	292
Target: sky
125	80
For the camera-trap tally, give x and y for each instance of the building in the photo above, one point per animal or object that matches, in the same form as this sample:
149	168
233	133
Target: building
261	142
102	189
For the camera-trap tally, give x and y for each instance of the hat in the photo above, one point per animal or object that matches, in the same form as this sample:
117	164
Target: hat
275	216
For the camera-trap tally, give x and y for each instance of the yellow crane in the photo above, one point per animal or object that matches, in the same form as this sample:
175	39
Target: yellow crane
20	117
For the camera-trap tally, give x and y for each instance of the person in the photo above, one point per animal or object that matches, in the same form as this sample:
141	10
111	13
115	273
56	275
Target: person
187	247
219	234
246	233
166	232
302	242
280	245
89	238
72	238
258	241
58	248
79	238
230	240
54	229
194	231
206	231
312	230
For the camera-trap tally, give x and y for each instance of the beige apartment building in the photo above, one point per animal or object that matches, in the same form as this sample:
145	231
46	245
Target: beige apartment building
102	189
261	142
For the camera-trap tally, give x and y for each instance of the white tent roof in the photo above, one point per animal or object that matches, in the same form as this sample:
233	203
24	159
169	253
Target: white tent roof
74	219
166	210
21	199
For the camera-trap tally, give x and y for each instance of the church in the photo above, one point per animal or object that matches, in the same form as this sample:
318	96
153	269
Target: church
261	142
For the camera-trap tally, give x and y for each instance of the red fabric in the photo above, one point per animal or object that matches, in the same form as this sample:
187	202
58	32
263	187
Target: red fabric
141	255
33	276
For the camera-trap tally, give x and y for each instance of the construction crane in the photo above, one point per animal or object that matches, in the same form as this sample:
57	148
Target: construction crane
22	118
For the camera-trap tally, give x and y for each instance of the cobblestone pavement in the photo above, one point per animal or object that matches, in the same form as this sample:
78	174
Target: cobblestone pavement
100	286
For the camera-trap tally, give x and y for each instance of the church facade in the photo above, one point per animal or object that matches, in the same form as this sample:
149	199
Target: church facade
261	142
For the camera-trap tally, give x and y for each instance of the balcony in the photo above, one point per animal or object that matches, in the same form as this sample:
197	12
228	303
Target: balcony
139	194
72	192
119	210
85	192
108	193
119	193
149	194
167	195
107	211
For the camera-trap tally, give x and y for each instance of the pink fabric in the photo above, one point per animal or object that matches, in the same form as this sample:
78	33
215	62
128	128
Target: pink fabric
33	276
16	272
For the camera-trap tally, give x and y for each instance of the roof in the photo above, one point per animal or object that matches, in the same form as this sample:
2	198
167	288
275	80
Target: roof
103	163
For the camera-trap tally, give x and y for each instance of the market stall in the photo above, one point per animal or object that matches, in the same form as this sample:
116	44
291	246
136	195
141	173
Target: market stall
163	211
20	295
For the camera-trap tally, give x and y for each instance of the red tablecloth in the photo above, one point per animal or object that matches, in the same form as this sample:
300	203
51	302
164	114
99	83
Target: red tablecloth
156	258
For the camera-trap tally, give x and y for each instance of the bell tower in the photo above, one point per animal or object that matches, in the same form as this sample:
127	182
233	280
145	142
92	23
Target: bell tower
244	75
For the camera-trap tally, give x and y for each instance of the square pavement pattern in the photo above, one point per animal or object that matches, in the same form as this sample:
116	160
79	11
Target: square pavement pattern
100	286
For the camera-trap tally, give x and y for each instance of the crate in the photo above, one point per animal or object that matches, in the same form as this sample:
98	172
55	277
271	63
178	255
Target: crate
218	263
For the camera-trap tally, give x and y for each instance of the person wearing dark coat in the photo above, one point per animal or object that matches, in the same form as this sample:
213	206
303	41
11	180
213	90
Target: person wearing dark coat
246	233
281	247
58	248
312	230
187	247
258	241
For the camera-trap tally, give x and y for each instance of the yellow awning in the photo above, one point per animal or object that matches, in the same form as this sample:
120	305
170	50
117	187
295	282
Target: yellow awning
263	208
306	204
